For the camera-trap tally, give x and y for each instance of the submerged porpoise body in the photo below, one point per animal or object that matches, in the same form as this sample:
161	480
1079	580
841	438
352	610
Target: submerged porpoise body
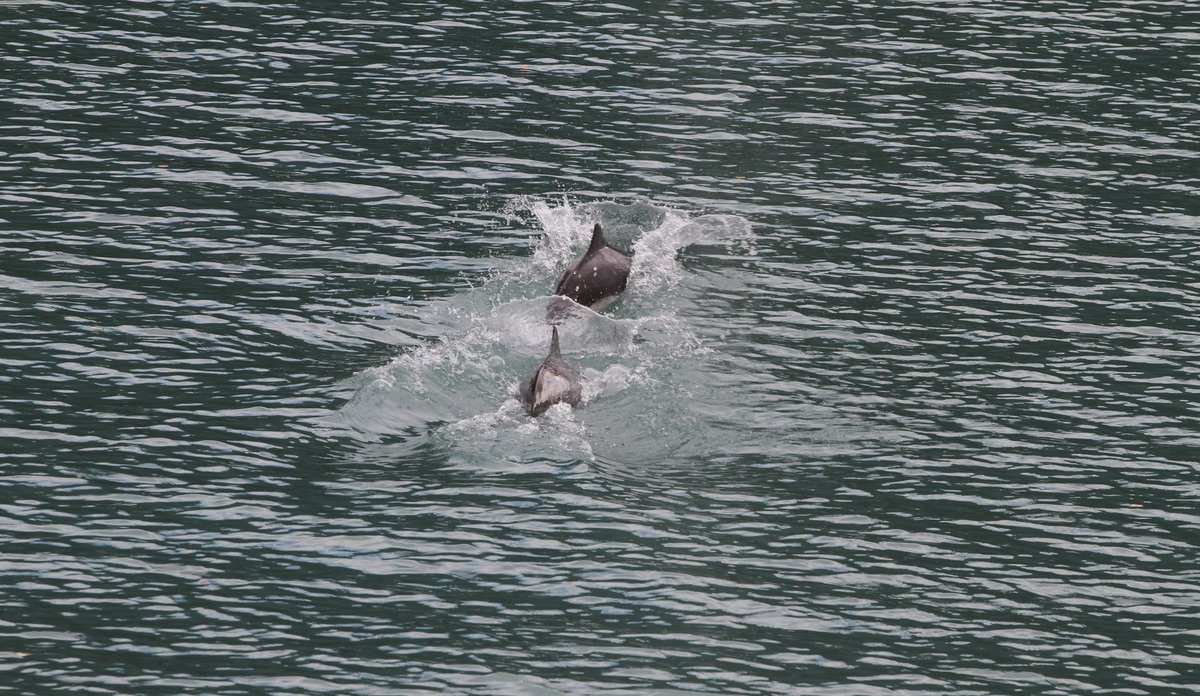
551	383
595	279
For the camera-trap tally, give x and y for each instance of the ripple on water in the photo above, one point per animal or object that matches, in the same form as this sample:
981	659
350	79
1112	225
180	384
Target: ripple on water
899	399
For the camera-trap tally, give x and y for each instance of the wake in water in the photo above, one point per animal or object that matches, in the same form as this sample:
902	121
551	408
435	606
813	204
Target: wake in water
460	387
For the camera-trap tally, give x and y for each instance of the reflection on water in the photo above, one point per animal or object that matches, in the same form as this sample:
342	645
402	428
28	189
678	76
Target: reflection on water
899	398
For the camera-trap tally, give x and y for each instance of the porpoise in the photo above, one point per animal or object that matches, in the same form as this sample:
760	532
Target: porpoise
553	382
594	280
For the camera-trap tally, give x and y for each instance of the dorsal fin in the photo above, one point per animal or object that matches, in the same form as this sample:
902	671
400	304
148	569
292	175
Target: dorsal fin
555	352
598	242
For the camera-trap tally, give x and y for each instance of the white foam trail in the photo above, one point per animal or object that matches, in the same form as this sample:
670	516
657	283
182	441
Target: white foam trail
612	380
656	266
556	430
564	230
488	336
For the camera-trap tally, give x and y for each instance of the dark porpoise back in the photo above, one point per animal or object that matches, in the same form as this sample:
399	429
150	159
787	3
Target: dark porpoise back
594	279
552	382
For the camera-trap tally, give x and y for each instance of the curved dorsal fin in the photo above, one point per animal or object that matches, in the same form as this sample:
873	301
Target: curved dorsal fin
598	242
555	352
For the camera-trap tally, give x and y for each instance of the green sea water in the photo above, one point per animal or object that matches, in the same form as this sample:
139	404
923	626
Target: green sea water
901	398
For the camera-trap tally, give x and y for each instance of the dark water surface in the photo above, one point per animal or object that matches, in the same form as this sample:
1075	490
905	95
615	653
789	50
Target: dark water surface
901	398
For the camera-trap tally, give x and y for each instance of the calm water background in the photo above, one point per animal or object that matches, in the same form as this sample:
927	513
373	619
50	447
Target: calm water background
902	398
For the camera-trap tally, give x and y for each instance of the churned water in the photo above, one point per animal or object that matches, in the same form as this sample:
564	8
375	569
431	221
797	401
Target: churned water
901	398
